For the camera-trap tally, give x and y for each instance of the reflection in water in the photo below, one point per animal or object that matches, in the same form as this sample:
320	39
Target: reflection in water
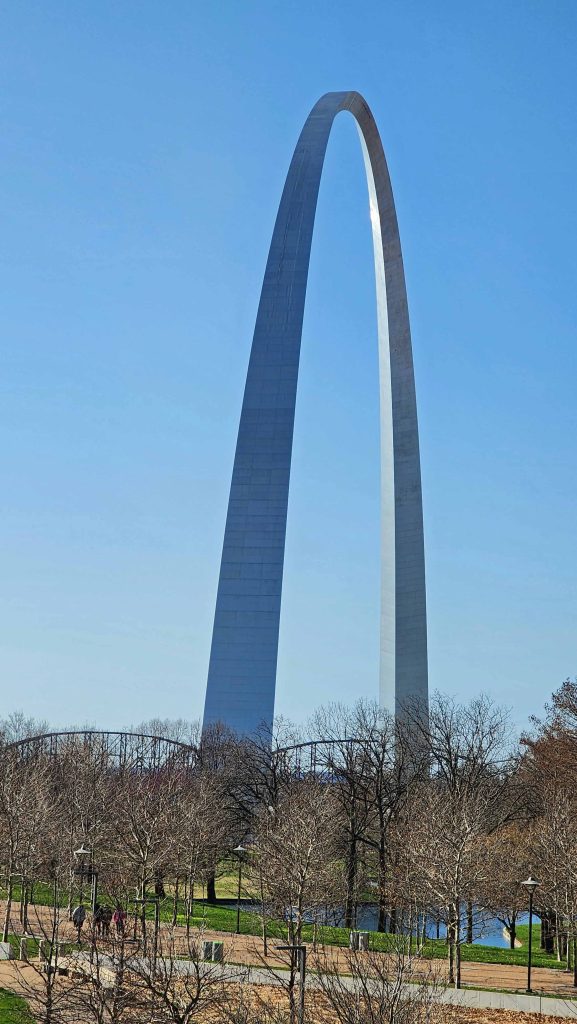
487	930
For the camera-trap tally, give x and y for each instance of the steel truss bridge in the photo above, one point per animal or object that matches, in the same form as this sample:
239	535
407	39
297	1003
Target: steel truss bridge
138	752
135	752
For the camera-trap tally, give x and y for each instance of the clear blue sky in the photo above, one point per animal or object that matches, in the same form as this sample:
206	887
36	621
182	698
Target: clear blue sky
144	150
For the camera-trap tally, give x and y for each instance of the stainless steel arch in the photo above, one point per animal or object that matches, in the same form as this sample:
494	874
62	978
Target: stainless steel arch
243	659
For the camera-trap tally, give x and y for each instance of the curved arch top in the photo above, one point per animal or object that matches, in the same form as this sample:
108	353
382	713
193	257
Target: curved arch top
243	659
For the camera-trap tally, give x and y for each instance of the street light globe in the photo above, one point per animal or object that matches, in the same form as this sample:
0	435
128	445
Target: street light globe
82	852
530	884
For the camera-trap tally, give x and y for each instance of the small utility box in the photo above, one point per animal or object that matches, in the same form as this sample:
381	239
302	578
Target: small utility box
6	952
359	941
218	952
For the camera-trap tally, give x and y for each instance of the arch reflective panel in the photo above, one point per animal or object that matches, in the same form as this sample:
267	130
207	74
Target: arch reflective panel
243	659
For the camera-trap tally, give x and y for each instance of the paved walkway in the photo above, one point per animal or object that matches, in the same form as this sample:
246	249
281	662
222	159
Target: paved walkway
11	979
248	950
474	998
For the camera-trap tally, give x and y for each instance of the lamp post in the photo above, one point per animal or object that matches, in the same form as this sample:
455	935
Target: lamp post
530	884
301	952
94	889
80	855
239	851
154	900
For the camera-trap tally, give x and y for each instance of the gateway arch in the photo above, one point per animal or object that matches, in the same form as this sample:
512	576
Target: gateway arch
243	659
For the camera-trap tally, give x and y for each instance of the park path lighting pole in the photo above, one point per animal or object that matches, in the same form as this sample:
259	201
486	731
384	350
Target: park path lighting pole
155	901
80	855
530	884
239	851
301	952
91	875
94	889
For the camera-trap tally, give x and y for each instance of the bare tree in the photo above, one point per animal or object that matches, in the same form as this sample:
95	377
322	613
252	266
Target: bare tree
468	796
17	726
295	858
372	761
375	987
344	758
206	834
554	848
177	729
244	1005
25	812
104	991
49	996
147	827
507	857
176	985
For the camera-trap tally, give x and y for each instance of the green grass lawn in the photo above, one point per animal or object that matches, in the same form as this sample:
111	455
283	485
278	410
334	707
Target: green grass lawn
523	935
220	918
13	1010
31	946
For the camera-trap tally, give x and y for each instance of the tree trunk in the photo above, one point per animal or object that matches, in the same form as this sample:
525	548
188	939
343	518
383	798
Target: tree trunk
546	932
451	947
351	882
70	897
291	991
143	911
458	946
22	899
190	907
26	898
264	935
382	888
211	890
470	923
9	894
175	903
512	931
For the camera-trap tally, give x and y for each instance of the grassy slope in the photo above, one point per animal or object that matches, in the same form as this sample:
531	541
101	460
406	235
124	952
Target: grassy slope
224	919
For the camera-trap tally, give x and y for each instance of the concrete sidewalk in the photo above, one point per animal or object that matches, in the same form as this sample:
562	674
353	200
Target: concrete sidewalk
474	998
554	993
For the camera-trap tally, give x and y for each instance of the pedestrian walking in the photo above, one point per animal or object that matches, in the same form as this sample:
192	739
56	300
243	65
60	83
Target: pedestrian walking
119	920
105	921
78	918
97	919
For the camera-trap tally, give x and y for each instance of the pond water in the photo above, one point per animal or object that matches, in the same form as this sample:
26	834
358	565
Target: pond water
488	931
